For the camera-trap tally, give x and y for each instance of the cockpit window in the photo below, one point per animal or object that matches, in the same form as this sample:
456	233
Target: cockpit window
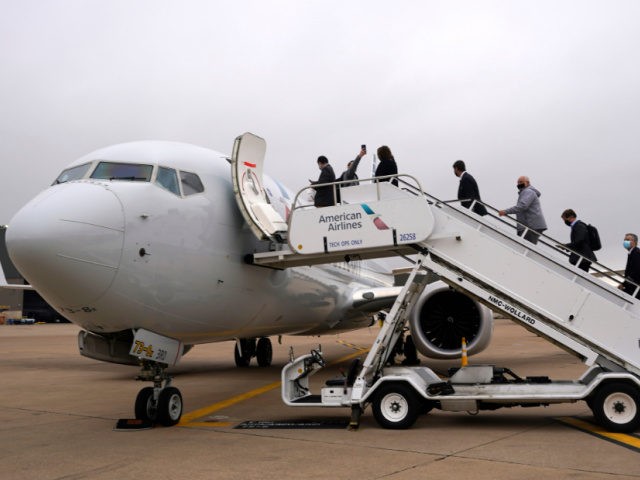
167	178
191	183
73	173
123	171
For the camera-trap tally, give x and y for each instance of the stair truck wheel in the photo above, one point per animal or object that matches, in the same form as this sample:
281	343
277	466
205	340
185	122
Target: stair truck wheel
396	406
616	406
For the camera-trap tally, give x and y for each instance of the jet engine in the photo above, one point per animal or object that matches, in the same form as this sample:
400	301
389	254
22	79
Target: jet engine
442	317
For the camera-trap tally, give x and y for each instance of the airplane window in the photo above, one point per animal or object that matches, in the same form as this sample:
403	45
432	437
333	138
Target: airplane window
73	173
191	183
123	171
168	179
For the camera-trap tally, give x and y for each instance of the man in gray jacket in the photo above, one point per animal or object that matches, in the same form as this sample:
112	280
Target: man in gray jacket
528	211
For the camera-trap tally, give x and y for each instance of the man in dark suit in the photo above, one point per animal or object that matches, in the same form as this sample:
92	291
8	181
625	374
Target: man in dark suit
324	195
632	270
579	240
468	189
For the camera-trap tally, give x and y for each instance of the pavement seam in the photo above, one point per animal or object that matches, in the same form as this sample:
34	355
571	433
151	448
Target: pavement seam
439	456
506	462
67	414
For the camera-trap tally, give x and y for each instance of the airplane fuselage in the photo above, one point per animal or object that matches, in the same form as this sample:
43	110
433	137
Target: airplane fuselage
122	253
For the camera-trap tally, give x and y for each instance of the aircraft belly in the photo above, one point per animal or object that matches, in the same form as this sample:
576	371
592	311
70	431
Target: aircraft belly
247	301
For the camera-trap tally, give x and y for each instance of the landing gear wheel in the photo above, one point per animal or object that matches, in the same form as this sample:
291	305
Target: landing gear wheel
395	406
248	348
145	407
264	352
241	360
616	407
169	406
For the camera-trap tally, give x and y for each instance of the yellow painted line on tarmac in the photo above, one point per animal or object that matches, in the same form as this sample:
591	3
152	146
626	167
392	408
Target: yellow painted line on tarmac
187	419
629	441
352	346
227	403
348	357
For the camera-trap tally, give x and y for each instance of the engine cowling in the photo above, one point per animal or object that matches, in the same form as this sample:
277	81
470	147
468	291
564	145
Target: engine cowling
442	317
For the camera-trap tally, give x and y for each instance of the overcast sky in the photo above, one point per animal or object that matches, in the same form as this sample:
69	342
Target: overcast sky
548	89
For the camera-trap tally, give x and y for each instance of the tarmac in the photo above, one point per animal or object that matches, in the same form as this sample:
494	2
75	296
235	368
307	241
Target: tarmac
58	411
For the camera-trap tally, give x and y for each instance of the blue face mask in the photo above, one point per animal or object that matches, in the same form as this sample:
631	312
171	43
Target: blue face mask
626	244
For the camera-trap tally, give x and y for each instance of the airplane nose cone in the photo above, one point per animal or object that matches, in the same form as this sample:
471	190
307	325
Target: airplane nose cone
67	242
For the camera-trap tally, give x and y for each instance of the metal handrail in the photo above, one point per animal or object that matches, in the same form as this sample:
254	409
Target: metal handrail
341	183
554	244
415	188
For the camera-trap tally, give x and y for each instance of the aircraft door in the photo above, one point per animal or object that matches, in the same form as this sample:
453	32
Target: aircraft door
246	170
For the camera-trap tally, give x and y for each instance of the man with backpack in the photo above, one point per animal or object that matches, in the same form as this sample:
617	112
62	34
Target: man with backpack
580	243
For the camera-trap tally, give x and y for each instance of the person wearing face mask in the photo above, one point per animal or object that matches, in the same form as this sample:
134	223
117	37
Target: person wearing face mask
579	240
528	211
632	270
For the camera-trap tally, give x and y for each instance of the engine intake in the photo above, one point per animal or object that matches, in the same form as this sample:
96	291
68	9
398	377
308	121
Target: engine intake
442	317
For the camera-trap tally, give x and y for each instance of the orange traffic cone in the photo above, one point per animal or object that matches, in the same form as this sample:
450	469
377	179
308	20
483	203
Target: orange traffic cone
465	362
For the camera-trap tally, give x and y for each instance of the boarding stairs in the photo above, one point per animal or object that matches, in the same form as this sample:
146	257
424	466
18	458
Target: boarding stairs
533	284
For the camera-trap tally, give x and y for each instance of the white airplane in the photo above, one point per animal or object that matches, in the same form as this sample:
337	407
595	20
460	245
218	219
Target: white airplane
143	245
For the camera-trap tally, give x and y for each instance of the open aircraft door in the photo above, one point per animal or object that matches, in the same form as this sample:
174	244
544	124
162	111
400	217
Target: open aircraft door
246	171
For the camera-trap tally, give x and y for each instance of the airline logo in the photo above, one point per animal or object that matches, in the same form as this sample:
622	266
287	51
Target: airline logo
377	221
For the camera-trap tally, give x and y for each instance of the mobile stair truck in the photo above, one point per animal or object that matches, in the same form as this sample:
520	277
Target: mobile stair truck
532	284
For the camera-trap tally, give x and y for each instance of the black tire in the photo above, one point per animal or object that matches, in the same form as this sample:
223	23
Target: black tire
396	406
145	408
169	406
616	406
264	352
248	350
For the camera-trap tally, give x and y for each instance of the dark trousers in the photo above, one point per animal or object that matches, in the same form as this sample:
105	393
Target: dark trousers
584	264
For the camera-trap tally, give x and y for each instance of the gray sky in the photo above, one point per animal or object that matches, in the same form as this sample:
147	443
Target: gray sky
549	89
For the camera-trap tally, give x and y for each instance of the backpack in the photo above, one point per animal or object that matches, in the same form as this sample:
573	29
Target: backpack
594	238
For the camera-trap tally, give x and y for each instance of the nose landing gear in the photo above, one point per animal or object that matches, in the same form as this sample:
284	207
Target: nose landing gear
161	403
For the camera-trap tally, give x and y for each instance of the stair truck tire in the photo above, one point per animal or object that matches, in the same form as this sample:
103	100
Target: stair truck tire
396	406
616	406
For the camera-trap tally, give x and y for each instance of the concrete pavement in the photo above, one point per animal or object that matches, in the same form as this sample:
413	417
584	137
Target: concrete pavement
58	410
